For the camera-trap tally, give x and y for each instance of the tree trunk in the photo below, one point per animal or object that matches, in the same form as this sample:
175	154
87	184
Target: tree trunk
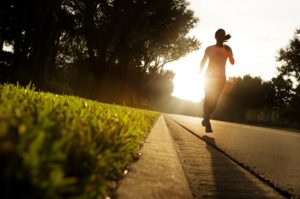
44	39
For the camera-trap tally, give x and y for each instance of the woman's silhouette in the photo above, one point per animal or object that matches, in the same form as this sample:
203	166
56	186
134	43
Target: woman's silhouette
215	76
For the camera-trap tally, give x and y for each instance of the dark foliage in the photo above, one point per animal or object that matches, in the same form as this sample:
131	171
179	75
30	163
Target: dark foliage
242	94
77	46
289	57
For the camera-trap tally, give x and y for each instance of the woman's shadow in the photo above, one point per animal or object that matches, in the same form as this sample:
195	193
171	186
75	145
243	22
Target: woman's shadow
231	180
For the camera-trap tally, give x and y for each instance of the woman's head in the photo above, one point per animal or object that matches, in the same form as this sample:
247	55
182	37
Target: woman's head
221	36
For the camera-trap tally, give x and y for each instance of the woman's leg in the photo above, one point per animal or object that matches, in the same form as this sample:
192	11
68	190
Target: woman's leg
213	89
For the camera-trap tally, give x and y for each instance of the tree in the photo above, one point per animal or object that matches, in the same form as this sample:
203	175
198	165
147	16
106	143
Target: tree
288	80
295	106
94	39
127	34
245	93
32	29
289	57
123	38
283	91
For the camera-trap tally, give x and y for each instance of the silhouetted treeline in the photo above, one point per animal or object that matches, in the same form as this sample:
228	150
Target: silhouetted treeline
242	94
110	50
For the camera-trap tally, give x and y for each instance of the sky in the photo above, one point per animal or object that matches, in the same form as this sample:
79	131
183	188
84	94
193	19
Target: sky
259	28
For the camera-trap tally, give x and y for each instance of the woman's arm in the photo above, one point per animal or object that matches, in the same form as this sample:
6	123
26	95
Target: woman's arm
230	54
231	58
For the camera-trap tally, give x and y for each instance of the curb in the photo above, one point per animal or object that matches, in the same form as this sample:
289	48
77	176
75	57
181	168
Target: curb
158	173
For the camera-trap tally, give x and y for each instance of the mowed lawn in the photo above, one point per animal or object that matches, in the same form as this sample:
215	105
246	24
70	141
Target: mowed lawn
54	146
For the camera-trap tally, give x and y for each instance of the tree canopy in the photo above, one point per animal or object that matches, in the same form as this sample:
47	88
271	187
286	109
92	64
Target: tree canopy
289	73
130	40
289	57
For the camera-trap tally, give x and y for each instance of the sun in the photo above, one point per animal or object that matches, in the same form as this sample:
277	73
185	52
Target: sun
188	84
188	87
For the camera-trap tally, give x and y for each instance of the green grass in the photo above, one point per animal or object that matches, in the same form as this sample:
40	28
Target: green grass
54	146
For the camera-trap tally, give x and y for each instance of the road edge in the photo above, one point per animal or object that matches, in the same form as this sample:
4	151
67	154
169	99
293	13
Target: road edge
158	173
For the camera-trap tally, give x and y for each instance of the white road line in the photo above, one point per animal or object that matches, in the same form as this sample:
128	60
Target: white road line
269	130
283	132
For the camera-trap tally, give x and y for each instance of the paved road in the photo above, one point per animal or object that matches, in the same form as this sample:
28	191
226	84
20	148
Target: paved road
271	154
211	174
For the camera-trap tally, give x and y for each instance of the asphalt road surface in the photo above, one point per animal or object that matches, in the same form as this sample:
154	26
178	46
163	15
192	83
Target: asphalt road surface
273	155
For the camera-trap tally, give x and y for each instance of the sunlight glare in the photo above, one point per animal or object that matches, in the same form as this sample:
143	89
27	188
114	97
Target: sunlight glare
188	84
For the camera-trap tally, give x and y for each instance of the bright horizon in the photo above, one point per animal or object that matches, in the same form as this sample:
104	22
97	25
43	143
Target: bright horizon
258	29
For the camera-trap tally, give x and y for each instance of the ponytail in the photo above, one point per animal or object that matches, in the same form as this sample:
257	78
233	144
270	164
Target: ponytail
228	36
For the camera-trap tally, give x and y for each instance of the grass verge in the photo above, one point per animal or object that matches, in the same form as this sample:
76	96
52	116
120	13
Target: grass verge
55	146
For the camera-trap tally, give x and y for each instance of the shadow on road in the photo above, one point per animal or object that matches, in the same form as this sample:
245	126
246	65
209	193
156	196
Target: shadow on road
232	181
210	173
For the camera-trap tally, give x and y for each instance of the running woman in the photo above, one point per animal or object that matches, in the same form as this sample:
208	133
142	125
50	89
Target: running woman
215	75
